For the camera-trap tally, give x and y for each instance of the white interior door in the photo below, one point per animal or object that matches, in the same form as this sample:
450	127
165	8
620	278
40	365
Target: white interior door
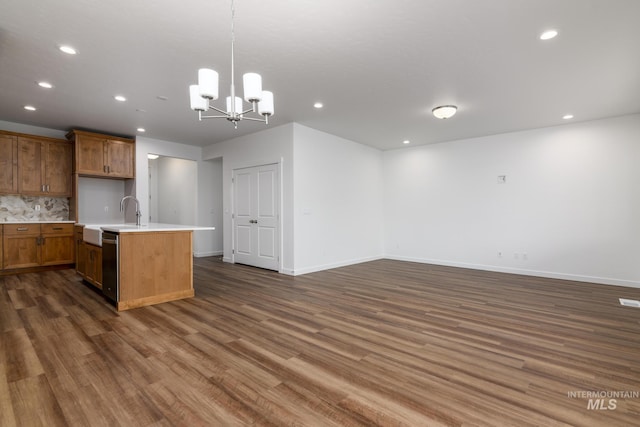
256	216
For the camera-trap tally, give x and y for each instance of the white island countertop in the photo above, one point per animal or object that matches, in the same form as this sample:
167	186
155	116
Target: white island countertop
37	221
150	227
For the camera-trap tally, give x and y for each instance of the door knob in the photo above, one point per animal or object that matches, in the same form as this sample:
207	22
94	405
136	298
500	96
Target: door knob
253	221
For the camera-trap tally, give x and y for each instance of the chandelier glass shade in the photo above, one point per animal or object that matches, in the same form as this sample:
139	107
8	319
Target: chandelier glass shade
206	90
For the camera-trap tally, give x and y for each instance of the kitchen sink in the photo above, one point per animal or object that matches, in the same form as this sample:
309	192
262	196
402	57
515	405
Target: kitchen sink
92	234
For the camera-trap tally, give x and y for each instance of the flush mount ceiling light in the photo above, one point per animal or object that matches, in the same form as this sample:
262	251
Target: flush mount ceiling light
120	98
318	105
548	35
207	90
30	108
67	49
444	111
567	116
141	130
45	85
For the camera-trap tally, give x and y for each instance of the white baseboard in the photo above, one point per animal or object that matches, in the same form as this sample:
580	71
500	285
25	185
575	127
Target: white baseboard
322	267
206	254
522	271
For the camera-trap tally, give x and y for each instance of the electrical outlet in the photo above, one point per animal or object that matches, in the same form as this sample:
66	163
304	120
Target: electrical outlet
502	179
106	208
37	208
499	254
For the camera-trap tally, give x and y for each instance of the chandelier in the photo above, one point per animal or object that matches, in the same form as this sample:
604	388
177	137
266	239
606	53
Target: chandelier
207	90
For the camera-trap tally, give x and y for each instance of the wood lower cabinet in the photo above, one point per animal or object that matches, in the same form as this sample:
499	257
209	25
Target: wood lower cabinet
103	155
88	259
155	267
21	246
8	164
58	246
93	272
35	245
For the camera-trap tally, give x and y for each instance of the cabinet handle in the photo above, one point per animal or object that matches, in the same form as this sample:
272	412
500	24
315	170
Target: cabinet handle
23	229
48	188
104	168
42	188
58	228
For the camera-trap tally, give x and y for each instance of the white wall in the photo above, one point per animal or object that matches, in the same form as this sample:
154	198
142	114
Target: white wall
32	130
99	200
570	207
205	242
273	145
338	210
177	190
210	204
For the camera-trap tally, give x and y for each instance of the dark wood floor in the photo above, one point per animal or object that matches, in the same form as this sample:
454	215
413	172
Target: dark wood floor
380	343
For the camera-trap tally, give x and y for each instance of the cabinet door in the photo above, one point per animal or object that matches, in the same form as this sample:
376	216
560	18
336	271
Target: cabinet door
120	158
58	173
81	263
57	250
21	246
94	265
8	164
90	155
30	166
57	244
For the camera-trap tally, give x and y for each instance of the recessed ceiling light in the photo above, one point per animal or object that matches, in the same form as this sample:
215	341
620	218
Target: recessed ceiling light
45	85
318	105
120	98
30	107
141	130
406	141
444	111
548	35
568	116
67	49
152	156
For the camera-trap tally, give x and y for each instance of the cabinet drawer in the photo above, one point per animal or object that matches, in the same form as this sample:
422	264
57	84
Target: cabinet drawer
22	229
66	229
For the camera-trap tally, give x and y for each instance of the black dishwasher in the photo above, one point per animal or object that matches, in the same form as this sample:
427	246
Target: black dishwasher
110	267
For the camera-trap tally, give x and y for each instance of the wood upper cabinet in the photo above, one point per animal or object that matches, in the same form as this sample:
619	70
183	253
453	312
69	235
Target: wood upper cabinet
103	155
44	166
8	164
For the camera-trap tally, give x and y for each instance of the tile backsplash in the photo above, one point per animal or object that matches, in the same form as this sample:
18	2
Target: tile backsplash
24	208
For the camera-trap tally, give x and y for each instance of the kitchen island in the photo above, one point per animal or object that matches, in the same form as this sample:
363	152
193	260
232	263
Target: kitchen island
150	263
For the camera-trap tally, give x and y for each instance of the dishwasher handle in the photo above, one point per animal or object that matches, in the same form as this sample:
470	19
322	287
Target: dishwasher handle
112	241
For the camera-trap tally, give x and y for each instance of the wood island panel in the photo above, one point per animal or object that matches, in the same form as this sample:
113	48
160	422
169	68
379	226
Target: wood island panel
155	267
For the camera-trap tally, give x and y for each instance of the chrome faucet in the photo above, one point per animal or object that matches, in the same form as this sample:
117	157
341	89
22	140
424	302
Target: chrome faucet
138	213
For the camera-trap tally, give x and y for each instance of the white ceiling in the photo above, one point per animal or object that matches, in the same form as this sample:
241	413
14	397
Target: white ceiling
379	66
